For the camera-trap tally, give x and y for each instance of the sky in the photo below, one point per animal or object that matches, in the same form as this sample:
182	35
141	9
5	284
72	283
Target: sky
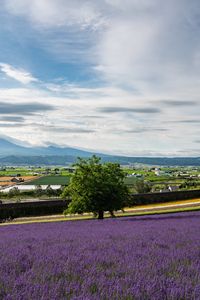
116	76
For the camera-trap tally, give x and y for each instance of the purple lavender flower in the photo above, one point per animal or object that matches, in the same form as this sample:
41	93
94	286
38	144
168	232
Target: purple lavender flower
151	257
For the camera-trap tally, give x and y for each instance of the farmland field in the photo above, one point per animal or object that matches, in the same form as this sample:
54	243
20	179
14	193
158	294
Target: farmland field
54	180
64	180
154	257
185	178
6	180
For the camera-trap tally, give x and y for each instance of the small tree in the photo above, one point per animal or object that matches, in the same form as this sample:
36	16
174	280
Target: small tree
38	191
49	191
13	192
96	188
141	186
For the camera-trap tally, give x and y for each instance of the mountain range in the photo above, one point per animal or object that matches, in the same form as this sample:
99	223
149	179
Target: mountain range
14	154
10	148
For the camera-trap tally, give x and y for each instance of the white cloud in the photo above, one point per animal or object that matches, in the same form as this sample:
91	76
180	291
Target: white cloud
144	50
149	45
17	74
64	28
51	13
77	121
154	50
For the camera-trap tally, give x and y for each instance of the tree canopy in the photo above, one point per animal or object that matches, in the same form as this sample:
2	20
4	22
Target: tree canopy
141	186
96	187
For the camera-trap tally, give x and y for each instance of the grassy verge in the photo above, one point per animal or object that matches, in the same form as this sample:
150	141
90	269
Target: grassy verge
191	201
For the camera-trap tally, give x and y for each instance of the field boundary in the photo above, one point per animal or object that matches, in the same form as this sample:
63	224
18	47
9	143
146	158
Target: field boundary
51	207
130	212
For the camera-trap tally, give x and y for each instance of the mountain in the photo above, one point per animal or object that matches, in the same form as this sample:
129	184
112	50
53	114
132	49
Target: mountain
9	148
53	150
13	160
13	154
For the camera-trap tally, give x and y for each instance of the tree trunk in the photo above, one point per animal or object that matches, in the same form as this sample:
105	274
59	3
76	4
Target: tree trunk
112	213
100	214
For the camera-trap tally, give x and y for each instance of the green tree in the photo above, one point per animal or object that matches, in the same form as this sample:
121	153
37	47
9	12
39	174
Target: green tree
38	191
49	191
96	187
141	186
13	192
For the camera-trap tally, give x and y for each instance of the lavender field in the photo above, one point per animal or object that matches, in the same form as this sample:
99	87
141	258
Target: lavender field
152	257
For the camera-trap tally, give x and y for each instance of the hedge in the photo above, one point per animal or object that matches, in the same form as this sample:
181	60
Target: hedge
151	198
26	209
48	207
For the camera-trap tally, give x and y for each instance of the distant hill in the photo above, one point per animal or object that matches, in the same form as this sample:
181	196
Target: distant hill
37	160
13	154
68	159
10	148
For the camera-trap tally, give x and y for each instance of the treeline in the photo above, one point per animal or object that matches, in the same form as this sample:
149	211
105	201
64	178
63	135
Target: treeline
38	192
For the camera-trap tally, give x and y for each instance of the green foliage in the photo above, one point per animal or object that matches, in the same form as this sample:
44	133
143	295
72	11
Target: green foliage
96	187
38	191
17	210
14	192
141	186
49	191
189	184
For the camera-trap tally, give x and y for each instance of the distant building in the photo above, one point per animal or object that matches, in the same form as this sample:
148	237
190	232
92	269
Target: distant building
170	188
173	188
17	180
70	169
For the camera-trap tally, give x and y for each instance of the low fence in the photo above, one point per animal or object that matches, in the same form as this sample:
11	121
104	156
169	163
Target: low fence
48	207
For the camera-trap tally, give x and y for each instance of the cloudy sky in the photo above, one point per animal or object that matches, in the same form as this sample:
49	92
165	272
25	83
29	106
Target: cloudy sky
117	76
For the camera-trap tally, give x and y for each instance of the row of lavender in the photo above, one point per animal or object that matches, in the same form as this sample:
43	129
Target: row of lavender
155	257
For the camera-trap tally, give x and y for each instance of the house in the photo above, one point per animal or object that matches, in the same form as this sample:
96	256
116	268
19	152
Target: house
70	169
173	188
17	180
170	188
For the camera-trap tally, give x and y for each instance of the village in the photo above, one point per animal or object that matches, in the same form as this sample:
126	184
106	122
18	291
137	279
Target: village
159	179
